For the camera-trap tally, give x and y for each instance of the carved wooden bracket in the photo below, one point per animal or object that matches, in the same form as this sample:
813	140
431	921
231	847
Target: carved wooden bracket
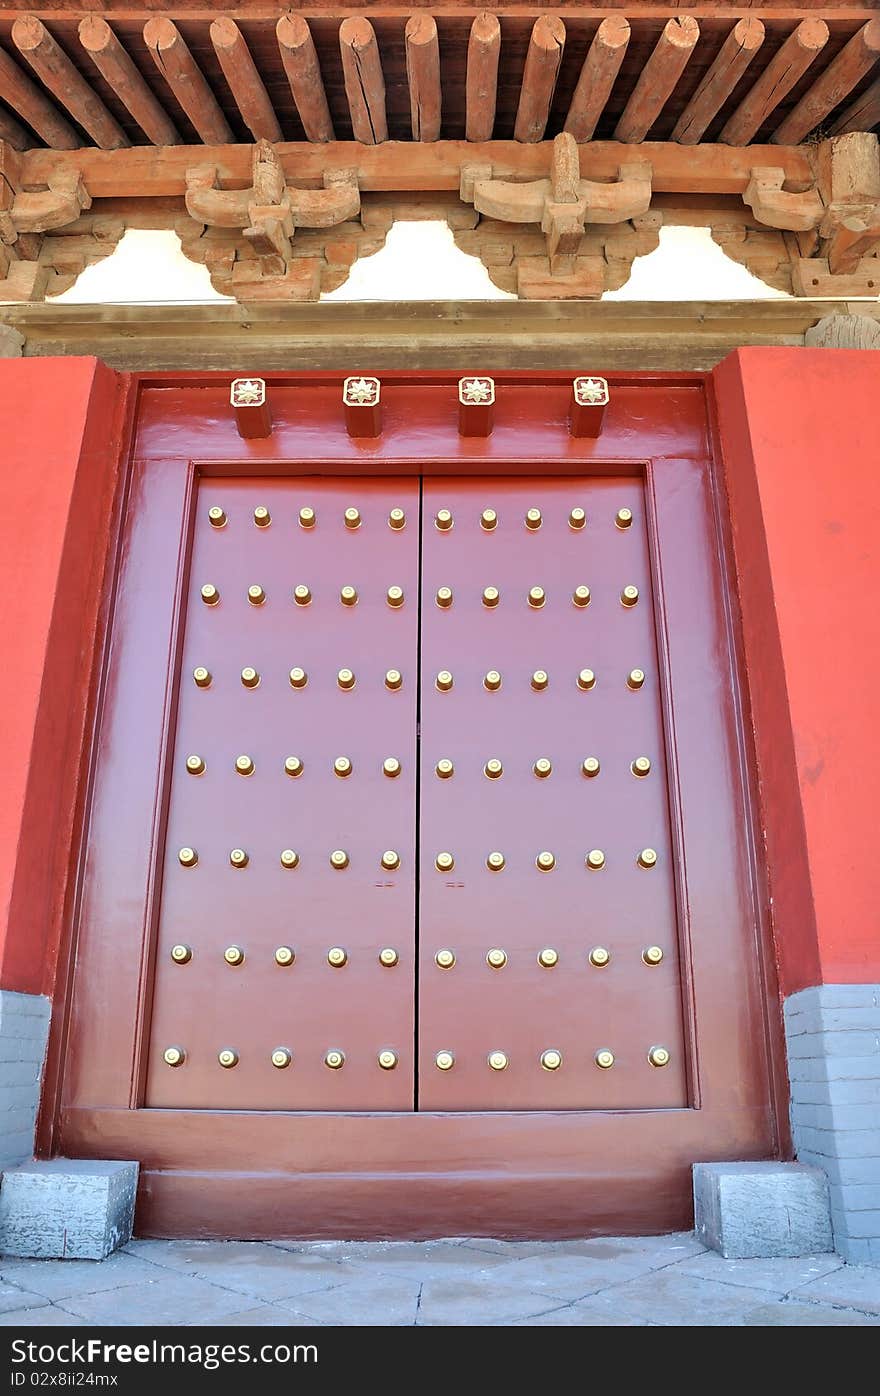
564	204
60	204
271	210
775	208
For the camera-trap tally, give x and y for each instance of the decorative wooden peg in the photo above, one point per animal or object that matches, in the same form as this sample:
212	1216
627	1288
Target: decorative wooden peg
252	416
476	406
361	400
589	399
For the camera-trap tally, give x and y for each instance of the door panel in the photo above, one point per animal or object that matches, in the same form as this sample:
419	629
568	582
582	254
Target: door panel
203	1003
573	1007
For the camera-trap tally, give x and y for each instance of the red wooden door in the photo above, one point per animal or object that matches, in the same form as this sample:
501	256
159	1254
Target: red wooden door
549	974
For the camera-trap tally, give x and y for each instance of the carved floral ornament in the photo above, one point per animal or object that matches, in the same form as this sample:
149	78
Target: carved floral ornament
476	391
248	392
360	392
591	392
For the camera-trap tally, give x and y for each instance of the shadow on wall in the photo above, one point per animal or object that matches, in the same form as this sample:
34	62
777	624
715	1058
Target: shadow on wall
419	261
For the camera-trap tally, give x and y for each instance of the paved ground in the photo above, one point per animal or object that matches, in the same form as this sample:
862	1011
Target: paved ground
622	1282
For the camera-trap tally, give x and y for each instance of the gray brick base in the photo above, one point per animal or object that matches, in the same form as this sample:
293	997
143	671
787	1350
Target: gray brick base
67	1209
24	1028
747	1211
833	1038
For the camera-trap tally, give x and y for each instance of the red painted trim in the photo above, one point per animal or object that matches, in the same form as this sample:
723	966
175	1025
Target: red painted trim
800	431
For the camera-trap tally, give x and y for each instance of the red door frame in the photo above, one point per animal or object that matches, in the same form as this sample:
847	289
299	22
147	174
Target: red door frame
669	412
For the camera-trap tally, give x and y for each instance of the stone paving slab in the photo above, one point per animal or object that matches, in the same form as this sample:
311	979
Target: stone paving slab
616	1281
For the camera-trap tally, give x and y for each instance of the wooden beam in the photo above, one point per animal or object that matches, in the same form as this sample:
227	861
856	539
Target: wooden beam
364	81
186	80
543	61
854	61
402	166
244	81
117	68
68	86
601	66
29	102
735	55
787	65
303	71
862	114
658	78
423	76
13	132
484	50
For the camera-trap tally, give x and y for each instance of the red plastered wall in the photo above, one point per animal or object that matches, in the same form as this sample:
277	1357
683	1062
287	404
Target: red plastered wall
60	431
800	434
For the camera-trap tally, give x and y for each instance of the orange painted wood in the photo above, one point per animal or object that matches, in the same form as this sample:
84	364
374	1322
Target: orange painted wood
364	81
300	60
484	50
186	80
29	102
145	173
855	61
862	114
117	68
244	81
13	132
423	76
543	62
601	66
658	78
68	86
787	65
735	55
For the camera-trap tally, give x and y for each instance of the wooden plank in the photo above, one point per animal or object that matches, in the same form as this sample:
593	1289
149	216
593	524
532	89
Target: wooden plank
601	66
658	78
423	76
543	61
735	55
786	66
244	81
28	101
117	68
13	132
186	80
300	60
145	173
862	115
854	61
364	81
484	50
67	85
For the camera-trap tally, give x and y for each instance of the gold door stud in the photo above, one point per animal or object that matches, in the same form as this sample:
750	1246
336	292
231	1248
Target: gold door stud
551	1060
659	1056
647	858
444	681
195	765
339	859
652	954
352	517
234	955
595	859
629	596
600	957
548	957
387	1059
256	595
284	956
302	594
293	766
537	597
394	597
491	596
262	517
201	676
281	1057
342	766
492	681
298	678
581	596
545	861
586	680
307	516
217	517
590	766
337	957
250	677
389	957
497	1060
542	767
227	1057
238	858
497	958
444	768
289	858
641	766
391	767
443	520
488	520
495	862
493	768
346	679
397	519
174	1056
187	857
444	959
181	954
577	517
445	1061
623	518
604	1058
393	679
244	765
444	862
210	594
533	519
348	596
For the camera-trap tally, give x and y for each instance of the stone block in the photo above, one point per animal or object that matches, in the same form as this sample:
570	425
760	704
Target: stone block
67	1209
745	1210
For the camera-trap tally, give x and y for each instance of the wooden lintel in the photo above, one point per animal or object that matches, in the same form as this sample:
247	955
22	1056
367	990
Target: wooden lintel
146	173
244	81
484	50
658	78
423	76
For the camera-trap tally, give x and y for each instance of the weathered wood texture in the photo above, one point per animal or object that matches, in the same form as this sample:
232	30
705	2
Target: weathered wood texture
364	81
601	66
777	79
658	79
484	51
117	68
737	52
56	71
465	336
26	98
423	76
862	115
843	73
303	72
543	62
244	81
187	82
844	332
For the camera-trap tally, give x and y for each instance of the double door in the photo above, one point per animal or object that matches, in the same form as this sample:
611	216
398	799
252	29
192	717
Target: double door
414	846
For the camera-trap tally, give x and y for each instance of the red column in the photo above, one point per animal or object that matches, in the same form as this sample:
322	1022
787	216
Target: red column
800	435
61	423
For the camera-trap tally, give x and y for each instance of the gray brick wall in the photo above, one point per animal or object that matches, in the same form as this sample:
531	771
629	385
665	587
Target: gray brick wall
833	1039
24	1028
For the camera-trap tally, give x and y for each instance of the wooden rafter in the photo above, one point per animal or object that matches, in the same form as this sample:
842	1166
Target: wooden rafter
303	71
174	61
484	51
735	55
245	83
364	81
843	73
601	66
56	71
541	74
782	72
658	78
423	76
117	68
